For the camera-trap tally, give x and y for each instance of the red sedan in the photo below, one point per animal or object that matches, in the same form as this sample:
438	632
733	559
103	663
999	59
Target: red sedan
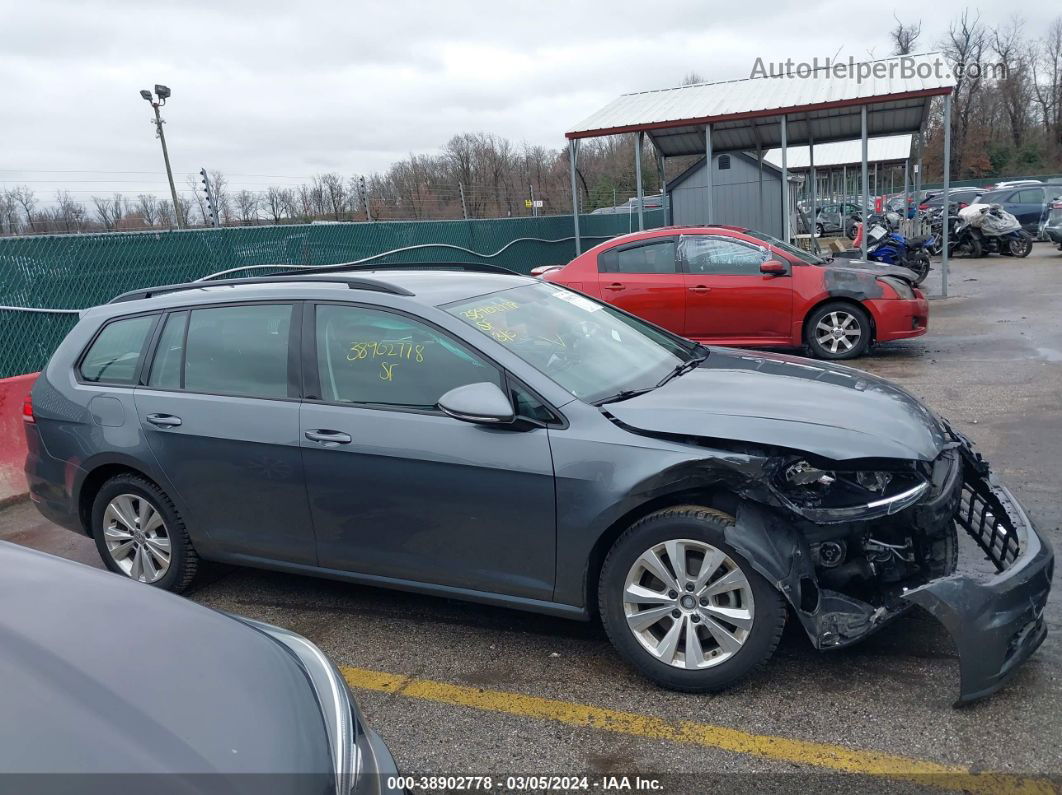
732	286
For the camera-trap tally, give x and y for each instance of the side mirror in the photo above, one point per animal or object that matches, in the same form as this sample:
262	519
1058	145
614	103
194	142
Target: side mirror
483	403
773	267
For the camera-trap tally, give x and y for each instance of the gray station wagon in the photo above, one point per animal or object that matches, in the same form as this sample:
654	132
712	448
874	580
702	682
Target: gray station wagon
487	436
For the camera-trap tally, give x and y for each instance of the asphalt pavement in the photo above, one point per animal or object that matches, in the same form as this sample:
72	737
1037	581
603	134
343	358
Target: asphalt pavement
461	689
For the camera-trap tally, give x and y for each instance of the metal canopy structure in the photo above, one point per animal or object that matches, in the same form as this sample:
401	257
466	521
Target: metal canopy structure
893	149
838	101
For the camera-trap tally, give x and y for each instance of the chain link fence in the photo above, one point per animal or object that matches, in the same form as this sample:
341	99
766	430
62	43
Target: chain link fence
71	272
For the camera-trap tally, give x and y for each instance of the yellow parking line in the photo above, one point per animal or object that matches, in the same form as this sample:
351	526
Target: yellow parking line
782	749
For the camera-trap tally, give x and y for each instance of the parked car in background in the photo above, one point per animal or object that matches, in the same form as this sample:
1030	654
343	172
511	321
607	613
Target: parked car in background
957	199
497	438
733	286
1028	203
653	202
1014	183
1053	227
107	683
837	218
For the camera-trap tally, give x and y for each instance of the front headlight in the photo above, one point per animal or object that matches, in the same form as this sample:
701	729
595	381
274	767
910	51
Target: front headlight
333	698
899	286
826	496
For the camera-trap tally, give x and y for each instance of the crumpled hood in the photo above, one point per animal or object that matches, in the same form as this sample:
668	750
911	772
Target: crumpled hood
787	401
865	268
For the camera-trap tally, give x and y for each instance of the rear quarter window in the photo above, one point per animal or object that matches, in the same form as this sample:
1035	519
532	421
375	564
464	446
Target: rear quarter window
113	357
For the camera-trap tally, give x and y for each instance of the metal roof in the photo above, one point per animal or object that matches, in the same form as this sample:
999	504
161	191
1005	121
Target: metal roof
893	148
823	102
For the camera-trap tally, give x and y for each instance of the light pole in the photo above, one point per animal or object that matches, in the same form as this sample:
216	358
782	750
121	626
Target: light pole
163	93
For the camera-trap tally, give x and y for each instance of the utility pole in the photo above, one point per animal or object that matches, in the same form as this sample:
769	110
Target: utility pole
162	93
212	207
534	207
464	206
364	197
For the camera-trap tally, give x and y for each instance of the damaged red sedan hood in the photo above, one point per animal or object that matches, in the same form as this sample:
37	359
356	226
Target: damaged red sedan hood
787	401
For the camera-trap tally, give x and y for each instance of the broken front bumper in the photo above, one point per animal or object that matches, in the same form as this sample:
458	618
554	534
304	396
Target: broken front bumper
998	622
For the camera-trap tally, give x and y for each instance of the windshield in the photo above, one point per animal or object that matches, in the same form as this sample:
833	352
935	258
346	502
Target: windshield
590	349
793	251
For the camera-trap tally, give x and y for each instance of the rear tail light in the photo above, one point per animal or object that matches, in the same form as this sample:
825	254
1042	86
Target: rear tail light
923	206
27	409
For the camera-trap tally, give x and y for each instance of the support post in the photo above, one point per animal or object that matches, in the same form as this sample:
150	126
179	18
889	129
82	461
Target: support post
814	186
709	182
785	186
763	212
661	162
907	188
947	210
866	179
464	204
639	140
573	154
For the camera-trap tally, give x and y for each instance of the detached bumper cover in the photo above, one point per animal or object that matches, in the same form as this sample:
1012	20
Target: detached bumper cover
997	623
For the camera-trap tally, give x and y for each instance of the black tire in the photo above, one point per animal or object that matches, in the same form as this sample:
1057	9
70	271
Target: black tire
821	349
184	561
699	524
819	231
850	230
920	265
974	249
1021	246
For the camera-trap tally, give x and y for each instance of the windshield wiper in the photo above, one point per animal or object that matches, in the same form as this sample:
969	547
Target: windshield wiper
684	367
623	394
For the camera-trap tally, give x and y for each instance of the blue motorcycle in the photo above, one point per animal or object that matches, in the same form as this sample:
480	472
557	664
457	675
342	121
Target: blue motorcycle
890	247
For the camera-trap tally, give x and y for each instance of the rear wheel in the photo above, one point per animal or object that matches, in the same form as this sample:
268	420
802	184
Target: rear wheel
838	330
819	231
140	534
683	607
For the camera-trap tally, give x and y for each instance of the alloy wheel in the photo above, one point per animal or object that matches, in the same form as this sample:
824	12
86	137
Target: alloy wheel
838	332
688	604
136	538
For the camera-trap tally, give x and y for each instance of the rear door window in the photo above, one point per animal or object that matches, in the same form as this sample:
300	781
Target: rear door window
237	350
657	256
115	354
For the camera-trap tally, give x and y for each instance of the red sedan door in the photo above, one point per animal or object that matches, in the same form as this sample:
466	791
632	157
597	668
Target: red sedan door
727	298
642	277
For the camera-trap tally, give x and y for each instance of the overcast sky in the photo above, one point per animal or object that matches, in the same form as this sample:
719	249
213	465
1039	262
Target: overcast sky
264	90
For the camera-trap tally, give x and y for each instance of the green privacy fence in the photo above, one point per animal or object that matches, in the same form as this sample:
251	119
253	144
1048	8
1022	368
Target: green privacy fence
78	271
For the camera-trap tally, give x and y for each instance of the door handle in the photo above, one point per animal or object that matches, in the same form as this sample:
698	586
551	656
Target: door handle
328	438
615	286
700	288
164	420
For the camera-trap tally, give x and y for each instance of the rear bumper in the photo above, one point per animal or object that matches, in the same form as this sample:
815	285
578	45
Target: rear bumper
899	319
996	623
50	482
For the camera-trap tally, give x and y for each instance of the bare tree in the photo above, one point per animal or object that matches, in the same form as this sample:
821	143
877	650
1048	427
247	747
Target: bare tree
334	193
1014	89
1046	68
904	36
246	207
9	220
692	78
219	186
147	205
964	46
69	213
274	203
26	199
103	211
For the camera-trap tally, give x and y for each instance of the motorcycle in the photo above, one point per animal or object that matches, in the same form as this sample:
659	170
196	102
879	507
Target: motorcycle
885	244
989	229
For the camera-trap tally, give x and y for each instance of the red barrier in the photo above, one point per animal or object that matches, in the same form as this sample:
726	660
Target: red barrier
13	393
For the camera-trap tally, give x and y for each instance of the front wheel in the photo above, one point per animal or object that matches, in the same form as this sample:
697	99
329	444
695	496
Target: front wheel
683	607
1021	246
838	330
920	265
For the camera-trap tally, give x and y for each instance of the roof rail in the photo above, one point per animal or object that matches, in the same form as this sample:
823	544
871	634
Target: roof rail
352	283
472	267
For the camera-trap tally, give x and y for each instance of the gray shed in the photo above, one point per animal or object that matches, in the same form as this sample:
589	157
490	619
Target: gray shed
738	196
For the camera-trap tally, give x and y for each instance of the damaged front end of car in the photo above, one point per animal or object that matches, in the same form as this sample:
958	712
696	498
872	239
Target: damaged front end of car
854	545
